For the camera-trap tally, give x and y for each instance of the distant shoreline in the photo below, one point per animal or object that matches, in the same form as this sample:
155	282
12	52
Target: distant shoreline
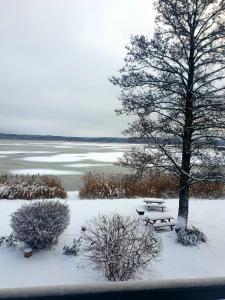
12	136
58	138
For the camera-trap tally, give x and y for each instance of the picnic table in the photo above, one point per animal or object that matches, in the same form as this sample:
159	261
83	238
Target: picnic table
160	222
154	204
154	201
162	219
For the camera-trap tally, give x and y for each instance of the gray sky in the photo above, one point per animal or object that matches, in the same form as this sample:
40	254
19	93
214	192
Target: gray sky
55	60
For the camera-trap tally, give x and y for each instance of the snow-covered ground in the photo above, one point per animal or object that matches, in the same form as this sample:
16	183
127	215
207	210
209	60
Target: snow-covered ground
52	267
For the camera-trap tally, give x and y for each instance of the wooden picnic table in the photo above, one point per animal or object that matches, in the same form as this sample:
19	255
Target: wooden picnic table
154	201
163	224
162	219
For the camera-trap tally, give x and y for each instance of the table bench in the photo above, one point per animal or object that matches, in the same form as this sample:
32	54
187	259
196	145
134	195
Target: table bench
155	207
159	226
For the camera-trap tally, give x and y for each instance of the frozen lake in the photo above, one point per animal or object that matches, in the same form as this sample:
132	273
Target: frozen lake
68	160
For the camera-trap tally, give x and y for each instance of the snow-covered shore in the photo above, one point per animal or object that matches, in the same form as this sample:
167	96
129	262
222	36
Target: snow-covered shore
52	267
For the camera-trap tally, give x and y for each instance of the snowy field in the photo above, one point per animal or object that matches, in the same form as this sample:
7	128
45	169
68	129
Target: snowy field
52	267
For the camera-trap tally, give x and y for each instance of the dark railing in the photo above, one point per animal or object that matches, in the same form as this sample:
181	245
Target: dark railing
201	289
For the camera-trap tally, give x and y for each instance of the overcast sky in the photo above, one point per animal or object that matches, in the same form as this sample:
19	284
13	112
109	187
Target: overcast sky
55	60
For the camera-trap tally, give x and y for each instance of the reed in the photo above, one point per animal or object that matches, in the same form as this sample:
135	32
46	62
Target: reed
31	187
96	185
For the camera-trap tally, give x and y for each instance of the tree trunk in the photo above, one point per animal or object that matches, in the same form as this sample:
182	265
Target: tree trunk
182	218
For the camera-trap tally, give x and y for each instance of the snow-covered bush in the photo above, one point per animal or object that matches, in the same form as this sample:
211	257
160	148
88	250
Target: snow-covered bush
30	187
119	246
8	241
39	224
74	249
191	237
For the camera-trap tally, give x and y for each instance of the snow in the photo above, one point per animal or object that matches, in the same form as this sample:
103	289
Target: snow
52	267
24	152
86	165
63	147
44	171
14	144
91	144
106	156
72	157
13	152
181	222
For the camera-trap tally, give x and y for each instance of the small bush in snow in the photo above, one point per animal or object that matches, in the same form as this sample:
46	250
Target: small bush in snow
191	237
30	187
119	246
8	241
74	249
39	224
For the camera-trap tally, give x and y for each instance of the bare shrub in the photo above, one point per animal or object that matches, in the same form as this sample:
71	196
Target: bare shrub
191	237
155	185
39	224
30	187
119	246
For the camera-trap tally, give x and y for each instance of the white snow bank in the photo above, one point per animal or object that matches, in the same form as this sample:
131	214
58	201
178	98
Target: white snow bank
43	171
72	157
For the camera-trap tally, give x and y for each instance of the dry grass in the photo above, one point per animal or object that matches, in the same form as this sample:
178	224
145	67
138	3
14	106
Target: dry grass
157	186
208	190
30	187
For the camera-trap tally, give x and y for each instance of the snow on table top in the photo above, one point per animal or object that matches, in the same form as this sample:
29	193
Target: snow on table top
156	218
149	201
52	267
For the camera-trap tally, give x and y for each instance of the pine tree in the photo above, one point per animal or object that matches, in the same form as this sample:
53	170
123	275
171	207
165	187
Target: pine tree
174	84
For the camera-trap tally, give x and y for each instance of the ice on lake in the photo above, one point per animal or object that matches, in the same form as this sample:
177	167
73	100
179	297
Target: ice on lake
61	159
86	165
43	171
71	157
25	152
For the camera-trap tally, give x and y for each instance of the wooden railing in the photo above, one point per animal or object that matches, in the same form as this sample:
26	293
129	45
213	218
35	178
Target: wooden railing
201	289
